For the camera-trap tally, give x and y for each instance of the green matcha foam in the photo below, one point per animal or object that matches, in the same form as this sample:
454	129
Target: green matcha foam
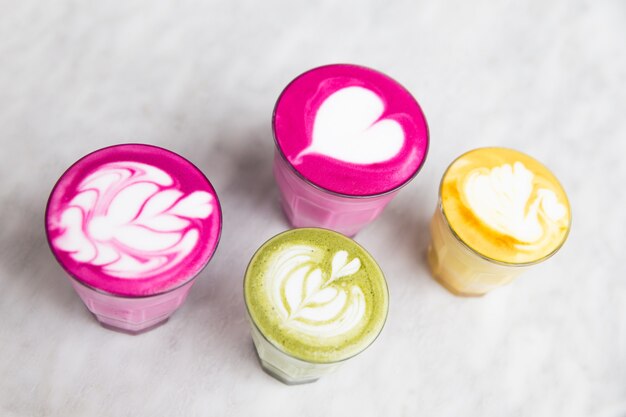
316	295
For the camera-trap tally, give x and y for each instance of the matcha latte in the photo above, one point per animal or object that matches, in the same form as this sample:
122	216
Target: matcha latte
315	295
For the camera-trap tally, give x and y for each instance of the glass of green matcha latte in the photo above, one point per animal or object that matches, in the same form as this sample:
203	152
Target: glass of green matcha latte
315	298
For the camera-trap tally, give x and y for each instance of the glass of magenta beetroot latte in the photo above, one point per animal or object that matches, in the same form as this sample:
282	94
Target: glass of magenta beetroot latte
133	225
347	139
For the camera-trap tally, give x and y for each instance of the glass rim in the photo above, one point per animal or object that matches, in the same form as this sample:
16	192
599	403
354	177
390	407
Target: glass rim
486	257
279	348
326	190
75	277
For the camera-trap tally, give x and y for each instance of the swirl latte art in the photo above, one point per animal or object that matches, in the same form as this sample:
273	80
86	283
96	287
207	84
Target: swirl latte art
127	220
505	205
316	294
132	220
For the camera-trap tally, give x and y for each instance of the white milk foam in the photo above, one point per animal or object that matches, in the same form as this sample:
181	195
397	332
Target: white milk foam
129	218
347	127
500	197
310	301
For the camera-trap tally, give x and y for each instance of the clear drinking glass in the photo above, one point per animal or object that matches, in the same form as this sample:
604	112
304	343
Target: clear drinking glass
284	367
460	269
499	212
132	314
315	299
307	205
347	139
133	225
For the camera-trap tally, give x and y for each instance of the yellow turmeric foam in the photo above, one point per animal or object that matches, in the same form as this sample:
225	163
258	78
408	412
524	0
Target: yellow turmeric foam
505	205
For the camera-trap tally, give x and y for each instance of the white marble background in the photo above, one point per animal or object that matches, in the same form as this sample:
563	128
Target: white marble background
201	78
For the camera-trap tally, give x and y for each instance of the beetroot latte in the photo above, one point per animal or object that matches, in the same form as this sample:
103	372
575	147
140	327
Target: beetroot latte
133	225
347	139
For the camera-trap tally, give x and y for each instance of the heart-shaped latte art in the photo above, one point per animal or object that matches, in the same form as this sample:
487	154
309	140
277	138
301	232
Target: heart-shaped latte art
348	127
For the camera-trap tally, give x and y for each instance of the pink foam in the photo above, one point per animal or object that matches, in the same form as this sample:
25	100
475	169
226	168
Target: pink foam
295	115
175	269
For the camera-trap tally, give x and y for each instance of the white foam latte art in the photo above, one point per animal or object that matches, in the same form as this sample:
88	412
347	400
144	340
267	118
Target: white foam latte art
131	220
311	301
347	127
504	199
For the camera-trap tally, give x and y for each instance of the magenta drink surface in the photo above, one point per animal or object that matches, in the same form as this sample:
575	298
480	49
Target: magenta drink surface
133	225
347	138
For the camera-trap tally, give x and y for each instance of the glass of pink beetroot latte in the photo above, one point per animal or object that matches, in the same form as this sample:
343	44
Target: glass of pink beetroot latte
133	225
347	139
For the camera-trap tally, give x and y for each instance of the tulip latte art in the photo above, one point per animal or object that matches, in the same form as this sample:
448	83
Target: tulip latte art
316	295
505	205
133	220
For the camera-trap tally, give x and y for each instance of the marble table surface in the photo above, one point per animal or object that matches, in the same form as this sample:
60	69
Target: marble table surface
201	78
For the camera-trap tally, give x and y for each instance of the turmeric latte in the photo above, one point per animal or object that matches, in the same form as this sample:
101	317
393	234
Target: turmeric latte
505	205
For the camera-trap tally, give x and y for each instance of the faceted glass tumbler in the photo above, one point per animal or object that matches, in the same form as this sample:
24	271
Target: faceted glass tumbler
286	368
461	270
308	206
132	314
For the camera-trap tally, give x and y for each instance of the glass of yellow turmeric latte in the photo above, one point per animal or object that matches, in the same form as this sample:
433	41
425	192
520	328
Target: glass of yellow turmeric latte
500	211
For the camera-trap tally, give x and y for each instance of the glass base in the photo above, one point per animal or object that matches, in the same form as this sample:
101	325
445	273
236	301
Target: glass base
460	270
286	368
278	374
124	328
132	315
307	206
432	263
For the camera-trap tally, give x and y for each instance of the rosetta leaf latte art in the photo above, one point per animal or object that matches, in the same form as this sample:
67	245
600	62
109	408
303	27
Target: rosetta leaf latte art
131	220
314	301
